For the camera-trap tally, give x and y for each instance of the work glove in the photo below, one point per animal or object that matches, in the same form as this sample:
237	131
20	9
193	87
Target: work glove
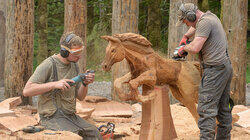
184	41
180	52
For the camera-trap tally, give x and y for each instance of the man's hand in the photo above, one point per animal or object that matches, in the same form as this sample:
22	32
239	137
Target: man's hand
89	78
184	40
179	51
62	84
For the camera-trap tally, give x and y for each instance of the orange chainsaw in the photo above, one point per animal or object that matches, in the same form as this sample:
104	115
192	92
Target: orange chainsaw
107	131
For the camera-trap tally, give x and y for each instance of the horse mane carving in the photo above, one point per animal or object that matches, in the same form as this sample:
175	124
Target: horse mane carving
136	38
141	44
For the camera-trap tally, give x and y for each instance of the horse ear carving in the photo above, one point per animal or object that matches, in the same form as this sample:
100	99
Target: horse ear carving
111	38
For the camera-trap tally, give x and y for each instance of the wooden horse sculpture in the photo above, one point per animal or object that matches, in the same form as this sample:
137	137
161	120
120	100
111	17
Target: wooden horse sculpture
148	69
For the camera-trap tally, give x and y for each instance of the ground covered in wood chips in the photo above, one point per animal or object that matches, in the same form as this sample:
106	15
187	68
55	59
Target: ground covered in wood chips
128	128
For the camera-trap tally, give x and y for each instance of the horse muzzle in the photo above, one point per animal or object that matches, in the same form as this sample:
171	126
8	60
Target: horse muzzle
106	67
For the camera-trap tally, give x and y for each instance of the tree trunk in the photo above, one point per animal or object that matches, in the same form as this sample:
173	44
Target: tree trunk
75	19
154	23
42	28
19	46
175	33
124	19
2	40
235	25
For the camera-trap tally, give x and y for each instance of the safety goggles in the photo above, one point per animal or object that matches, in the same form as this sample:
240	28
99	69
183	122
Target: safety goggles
77	51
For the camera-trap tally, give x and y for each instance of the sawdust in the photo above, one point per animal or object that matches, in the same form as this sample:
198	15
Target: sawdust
186	127
184	123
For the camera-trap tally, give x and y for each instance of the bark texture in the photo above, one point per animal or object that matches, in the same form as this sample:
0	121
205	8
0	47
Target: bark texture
235	25
2	46
19	46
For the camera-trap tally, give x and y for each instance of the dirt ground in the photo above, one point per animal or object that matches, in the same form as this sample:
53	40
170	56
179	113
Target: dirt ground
187	129
129	128
185	126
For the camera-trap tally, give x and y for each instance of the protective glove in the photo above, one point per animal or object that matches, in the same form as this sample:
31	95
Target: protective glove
184	40
180	52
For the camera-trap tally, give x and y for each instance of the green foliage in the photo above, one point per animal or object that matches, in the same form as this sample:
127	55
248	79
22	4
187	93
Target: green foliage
99	23
55	27
55	24
143	16
96	51
164	25
214	6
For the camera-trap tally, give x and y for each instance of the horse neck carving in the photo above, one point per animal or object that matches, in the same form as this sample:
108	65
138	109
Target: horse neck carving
135	54
140	56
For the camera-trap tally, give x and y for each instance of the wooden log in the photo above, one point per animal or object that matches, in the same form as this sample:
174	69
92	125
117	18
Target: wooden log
157	122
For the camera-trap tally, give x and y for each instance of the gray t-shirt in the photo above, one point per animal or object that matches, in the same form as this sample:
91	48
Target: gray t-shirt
64	99
214	49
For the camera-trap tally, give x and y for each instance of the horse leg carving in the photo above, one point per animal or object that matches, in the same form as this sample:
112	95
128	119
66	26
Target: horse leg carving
186	100
146	78
118	87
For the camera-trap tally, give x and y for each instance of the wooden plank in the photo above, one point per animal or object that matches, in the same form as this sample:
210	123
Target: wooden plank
17	123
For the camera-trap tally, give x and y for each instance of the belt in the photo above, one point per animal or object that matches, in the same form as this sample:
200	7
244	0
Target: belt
204	66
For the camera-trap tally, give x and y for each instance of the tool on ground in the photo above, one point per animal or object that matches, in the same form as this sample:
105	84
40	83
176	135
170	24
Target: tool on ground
33	129
107	131
80	78
47	133
176	55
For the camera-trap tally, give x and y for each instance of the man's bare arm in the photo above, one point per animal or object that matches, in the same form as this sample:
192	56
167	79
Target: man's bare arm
33	89
82	92
190	32
196	45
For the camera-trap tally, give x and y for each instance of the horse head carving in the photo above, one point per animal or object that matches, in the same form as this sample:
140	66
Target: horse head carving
114	52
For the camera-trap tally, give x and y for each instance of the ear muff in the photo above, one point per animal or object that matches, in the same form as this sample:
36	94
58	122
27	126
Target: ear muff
63	52
190	14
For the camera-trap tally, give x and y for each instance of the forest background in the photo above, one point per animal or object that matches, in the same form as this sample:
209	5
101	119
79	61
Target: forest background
99	19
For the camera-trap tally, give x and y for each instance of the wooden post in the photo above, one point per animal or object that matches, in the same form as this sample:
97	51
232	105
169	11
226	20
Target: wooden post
157	122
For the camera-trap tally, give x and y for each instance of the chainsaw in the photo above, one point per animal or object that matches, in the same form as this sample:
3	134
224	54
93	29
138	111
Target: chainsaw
107	131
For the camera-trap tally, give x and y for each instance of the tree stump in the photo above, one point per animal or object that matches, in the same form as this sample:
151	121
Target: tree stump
157	122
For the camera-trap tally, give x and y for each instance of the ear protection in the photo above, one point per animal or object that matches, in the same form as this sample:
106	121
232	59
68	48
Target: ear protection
63	52
190	14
